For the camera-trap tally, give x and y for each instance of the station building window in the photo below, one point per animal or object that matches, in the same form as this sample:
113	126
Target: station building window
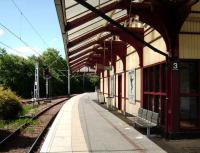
155	89
189	94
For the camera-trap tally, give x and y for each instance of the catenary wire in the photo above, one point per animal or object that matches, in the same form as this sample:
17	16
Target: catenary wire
36	31
19	38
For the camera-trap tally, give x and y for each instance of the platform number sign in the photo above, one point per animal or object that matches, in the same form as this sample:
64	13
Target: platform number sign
175	66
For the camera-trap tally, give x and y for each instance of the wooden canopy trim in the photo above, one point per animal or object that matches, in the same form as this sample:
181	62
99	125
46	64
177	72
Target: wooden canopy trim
79	59
89	44
90	16
93	33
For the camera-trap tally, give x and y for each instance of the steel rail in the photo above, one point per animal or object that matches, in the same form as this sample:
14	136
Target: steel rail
38	140
25	125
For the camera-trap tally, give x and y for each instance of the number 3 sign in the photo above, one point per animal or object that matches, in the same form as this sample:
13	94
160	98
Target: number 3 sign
175	66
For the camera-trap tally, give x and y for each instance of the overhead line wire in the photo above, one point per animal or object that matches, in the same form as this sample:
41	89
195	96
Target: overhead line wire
19	38
36	31
2	43
9	47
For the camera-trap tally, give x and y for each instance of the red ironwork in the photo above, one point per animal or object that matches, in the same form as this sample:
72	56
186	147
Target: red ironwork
93	33
89	44
165	18
79	61
90	16
80	54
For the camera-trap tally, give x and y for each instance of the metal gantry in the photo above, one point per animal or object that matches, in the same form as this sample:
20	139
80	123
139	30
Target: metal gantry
36	83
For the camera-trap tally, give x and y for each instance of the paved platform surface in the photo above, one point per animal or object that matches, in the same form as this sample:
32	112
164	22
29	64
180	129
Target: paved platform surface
83	126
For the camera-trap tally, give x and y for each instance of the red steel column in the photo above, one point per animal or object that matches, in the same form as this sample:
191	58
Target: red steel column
108	75
124	63
103	81
115	82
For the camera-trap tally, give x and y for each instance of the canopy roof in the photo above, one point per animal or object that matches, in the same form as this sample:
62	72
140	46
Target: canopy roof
78	21
84	31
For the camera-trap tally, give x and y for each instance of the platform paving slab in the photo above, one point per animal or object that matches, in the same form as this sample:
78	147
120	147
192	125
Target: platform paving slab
84	126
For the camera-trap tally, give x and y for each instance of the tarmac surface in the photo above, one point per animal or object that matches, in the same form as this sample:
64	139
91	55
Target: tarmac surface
82	126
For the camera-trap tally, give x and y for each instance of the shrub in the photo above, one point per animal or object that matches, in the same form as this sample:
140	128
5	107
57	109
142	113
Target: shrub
10	106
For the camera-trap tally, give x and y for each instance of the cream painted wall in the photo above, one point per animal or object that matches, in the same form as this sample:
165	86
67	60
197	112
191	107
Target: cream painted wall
151	57
122	84
101	85
196	7
132	60
189	48
119	66
106	85
130	49
101	82
105	73
152	36
112	71
116	90
123	91
191	25
138	84
132	108
189	44
116	85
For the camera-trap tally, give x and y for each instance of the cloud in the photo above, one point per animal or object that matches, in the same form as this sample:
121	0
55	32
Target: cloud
1	32
23	51
54	41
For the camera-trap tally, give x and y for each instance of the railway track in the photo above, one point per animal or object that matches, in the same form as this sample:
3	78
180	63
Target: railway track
28	137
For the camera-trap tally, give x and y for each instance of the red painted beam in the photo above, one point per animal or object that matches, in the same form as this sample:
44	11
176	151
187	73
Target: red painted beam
81	54
84	37
97	56
80	58
92	60
95	61
167	19
78	68
95	50
125	38
90	16
90	57
89	44
93	33
129	39
78	63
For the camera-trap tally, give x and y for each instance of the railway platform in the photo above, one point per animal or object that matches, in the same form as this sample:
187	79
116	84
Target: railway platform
83	126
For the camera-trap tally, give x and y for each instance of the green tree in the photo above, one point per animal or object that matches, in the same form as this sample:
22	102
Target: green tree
18	73
57	67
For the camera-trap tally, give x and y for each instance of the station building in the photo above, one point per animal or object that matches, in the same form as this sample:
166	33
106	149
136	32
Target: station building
146	54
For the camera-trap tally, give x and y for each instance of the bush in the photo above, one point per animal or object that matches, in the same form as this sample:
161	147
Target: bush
10	106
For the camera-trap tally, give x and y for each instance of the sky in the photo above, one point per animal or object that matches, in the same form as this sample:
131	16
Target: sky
42	15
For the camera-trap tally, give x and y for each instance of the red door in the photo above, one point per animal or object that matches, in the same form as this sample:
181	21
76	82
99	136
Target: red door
119	92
